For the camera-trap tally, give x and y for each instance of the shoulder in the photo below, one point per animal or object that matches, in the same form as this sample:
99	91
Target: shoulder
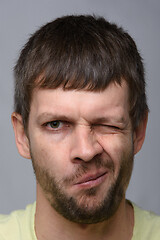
17	224
147	224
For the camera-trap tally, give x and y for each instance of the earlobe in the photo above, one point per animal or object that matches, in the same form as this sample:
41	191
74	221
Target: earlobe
139	134
21	138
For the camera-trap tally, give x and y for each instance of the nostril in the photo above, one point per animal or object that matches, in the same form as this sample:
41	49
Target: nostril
78	160
95	159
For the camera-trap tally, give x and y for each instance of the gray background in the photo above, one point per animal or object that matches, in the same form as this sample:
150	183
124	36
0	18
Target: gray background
18	19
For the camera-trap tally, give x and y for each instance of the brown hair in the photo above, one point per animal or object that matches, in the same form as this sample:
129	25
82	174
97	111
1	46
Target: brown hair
79	52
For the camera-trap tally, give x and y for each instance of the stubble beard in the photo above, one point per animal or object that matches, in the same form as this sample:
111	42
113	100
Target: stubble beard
70	208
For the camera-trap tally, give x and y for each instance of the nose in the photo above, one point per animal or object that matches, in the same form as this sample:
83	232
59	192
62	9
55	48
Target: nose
85	145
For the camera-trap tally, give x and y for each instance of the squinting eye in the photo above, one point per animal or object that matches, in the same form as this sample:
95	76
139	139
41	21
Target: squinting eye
107	129
54	124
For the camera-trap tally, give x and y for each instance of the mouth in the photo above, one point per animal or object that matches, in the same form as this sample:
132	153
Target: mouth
91	180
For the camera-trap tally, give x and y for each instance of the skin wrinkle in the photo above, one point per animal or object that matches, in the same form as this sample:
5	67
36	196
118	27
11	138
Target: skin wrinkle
83	168
87	75
67	206
68	159
49	157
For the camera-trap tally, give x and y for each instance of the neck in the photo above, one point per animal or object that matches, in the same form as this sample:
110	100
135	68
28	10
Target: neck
51	225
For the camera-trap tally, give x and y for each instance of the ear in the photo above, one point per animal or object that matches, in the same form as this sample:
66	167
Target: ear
139	134
21	138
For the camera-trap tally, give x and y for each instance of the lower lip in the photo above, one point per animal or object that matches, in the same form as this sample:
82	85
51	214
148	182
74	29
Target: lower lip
92	183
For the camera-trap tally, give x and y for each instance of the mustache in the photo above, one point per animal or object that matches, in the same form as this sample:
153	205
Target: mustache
83	168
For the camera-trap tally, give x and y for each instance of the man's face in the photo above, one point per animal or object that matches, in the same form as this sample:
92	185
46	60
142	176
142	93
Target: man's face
81	145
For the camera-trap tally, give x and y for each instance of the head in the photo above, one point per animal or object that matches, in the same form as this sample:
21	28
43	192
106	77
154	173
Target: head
81	109
80	52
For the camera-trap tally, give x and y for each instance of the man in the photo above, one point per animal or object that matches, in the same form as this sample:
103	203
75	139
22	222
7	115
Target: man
81	116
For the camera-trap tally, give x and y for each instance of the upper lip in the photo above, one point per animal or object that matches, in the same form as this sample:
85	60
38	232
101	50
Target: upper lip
90	177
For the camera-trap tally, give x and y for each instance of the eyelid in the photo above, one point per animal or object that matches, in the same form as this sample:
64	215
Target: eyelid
63	125
52	128
107	129
106	125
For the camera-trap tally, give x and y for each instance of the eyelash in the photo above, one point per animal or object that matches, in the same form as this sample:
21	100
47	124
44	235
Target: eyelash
109	126
114	127
48	124
107	129
63	125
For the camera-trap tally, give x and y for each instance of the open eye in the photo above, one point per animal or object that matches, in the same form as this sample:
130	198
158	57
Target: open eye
54	124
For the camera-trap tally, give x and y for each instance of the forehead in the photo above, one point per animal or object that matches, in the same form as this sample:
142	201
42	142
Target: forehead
111	101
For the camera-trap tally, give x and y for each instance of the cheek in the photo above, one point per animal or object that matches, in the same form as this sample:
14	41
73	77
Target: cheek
116	146
50	155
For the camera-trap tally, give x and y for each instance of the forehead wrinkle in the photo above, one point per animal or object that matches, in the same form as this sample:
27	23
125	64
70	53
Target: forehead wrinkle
100	116
61	104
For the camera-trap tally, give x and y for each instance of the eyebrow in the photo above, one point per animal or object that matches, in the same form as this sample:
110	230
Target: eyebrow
46	117
115	119
51	117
